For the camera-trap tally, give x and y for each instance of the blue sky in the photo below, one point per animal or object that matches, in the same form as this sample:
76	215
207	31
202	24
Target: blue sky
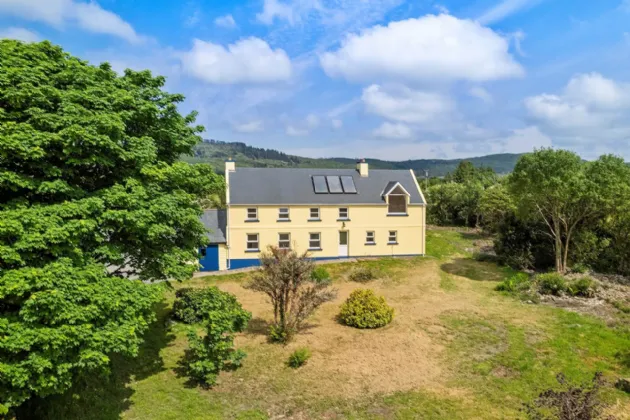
391	79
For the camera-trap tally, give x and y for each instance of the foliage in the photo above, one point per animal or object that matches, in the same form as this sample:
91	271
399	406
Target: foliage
521	245
583	287
299	357
573	402
320	275
215	352
363	274
580	268
495	205
286	278
550	284
192	305
363	309
621	306
517	283
556	187
89	179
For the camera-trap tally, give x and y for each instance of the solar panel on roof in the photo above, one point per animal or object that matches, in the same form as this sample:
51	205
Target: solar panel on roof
334	184
347	182
319	184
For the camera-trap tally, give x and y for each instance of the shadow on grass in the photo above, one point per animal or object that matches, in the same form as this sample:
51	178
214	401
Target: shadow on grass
257	326
475	236
474	270
106	397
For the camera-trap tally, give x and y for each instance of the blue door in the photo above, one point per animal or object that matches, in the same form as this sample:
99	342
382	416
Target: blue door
209	258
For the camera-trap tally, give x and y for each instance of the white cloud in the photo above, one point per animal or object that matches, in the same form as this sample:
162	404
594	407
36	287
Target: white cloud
226	21
249	127
399	103
504	9
425	49
524	140
89	16
480	93
249	60
293	12
295	131
591	110
336	123
20	34
393	131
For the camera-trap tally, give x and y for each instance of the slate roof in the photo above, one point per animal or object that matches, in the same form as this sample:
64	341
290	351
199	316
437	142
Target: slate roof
215	221
294	186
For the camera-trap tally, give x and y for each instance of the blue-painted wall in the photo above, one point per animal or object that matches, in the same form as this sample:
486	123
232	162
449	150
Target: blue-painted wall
211	260
235	264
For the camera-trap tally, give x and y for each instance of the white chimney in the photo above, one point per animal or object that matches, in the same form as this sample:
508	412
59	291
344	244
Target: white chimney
230	165
362	167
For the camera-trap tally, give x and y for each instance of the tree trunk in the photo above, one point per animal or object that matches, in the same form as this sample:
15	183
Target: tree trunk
558	246
566	249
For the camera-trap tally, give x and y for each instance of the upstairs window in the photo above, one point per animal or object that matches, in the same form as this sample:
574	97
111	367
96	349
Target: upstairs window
344	214
252	214
370	238
397	204
283	214
314	213
284	240
252	242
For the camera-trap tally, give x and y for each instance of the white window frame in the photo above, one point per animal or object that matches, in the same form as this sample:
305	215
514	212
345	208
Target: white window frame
370	237
249	241
252	219
394	236
310	213
318	240
347	211
397	213
282	214
287	241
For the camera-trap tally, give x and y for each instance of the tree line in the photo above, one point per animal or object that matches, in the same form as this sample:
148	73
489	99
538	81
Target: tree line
553	211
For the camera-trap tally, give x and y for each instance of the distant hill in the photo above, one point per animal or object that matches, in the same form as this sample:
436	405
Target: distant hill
216	152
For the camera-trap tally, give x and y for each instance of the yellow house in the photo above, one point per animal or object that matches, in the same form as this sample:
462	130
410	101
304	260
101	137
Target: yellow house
331	213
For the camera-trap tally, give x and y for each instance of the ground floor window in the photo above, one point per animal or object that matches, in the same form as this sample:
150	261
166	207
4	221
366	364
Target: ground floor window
315	241
393	237
370	238
252	242
284	240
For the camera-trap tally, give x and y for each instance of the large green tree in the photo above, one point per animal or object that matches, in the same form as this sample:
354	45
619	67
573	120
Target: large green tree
93	199
559	189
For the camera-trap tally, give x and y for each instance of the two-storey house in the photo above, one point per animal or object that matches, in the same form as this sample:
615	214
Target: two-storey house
332	213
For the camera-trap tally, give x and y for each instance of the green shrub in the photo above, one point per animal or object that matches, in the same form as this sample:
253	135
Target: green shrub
363	309
580	268
320	275
299	358
621	306
551	284
278	334
517	283
584	287
214	352
192	305
363	274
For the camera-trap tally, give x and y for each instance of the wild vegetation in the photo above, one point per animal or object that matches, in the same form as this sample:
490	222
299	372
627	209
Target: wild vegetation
554	210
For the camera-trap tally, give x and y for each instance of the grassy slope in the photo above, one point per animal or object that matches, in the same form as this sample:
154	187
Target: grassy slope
497	353
216	153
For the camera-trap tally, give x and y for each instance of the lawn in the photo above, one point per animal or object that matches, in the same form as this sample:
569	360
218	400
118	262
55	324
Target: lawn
456	349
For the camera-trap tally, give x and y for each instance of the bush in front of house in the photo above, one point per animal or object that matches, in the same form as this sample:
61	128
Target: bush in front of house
363	309
583	287
363	274
320	275
192	305
551	284
299	357
517	283
214	351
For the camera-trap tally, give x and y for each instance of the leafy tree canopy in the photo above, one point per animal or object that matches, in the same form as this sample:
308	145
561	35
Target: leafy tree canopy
91	194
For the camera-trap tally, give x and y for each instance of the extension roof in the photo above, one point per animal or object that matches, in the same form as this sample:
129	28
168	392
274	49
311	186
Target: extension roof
286	186
215	221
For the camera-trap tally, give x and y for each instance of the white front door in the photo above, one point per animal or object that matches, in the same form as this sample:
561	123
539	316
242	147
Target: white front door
343	243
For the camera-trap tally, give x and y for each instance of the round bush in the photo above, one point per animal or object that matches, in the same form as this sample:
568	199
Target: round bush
364	309
363	274
551	284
